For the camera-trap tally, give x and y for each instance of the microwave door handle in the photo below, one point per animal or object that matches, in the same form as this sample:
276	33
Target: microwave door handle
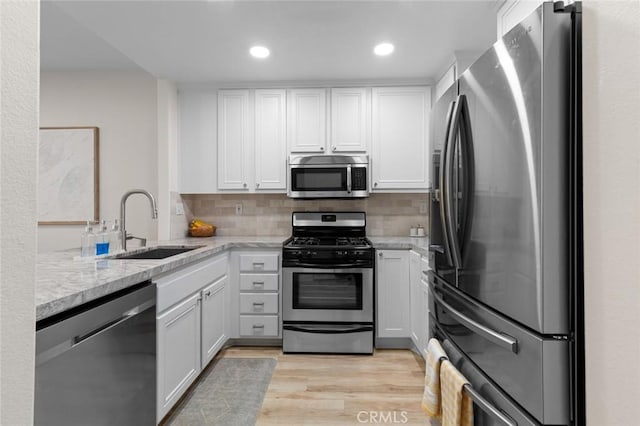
500	339
443	184
349	179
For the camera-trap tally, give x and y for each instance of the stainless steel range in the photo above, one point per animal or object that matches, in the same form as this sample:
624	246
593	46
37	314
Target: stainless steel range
327	268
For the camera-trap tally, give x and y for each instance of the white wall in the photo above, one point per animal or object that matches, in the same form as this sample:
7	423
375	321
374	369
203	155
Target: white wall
19	69
124	106
611	66
167	154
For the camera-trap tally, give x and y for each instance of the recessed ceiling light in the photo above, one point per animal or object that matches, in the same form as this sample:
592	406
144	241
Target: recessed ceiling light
259	52
383	49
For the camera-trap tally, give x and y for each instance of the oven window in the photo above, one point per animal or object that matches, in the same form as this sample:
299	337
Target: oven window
327	291
321	179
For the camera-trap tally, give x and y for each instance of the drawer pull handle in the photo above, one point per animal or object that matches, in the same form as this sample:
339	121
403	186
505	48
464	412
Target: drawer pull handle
258	325
258	265
258	283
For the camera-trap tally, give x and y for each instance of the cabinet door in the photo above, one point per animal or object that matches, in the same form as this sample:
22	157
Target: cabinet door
214	319
349	120
400	144
416	298
233	139
392	270
270	140
307	120
424	313
197	141
178	351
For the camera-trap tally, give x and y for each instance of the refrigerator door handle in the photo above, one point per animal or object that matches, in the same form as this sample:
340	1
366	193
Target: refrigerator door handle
496	337
468	172
450	192
487	407
443	182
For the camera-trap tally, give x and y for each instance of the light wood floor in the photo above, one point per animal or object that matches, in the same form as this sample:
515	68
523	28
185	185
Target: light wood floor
385	388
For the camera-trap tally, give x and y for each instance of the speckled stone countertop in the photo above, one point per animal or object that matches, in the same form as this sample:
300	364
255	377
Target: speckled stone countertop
63	283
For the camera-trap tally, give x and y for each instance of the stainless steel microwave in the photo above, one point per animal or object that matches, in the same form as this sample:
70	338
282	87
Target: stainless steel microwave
328	176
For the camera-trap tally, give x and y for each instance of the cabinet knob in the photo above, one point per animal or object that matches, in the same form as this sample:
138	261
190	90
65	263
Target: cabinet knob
334	148
257	185
207	293
322	148
375	184
244	184
380	254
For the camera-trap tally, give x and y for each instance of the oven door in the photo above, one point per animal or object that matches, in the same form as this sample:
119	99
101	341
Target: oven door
327	295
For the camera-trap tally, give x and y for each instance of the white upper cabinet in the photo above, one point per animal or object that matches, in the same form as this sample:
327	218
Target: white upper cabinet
270	140
197	141
512	12
307	120
400	143
233	139
350	124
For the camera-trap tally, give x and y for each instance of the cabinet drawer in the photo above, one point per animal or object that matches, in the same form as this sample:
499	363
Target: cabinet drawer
259	303
176	285
258	282
259	262
259	325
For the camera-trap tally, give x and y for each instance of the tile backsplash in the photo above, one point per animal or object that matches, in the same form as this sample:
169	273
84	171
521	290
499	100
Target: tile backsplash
270	214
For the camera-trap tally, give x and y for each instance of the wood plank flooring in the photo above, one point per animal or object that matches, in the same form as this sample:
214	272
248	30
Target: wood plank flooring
385	388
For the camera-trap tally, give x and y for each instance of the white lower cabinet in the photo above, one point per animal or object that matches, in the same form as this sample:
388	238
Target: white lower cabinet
178	352
258	293
424	317
416	298
215	319
393	290
192	325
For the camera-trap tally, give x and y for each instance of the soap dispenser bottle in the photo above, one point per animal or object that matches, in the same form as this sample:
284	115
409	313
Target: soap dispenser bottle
102	240
87	241
114	237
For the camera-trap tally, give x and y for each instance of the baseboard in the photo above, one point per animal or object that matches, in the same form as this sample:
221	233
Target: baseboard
393	342
253	342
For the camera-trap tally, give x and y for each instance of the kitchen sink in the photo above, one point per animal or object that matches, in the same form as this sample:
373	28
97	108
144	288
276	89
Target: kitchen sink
159	252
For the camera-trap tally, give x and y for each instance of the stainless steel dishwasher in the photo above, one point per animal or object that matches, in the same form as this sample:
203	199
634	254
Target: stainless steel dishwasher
96	364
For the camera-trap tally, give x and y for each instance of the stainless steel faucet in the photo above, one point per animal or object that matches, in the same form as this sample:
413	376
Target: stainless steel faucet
123	202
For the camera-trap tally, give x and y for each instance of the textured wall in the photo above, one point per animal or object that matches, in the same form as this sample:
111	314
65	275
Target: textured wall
270	214
611	88
19	73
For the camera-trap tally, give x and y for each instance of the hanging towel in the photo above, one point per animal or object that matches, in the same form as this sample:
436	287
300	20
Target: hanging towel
431	403
457	406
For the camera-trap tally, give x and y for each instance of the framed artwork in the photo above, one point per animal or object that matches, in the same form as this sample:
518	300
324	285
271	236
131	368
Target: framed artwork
68	187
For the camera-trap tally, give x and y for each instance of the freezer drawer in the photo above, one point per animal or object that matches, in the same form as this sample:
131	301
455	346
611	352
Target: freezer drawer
489	392
532	369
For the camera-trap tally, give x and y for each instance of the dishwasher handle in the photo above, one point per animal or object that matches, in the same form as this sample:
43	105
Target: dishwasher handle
111	324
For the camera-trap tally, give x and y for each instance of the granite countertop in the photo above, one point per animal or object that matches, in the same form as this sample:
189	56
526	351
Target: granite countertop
63	282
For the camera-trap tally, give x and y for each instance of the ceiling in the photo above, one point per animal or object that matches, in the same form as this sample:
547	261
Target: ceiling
208	41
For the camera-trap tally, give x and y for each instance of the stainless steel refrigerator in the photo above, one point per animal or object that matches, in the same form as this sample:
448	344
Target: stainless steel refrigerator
506	224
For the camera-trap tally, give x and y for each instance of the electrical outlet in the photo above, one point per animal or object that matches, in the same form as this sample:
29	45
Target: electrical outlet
179	209
423	207
239	209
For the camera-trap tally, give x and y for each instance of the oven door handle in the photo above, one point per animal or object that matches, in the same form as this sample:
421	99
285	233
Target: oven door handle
324	330
331	266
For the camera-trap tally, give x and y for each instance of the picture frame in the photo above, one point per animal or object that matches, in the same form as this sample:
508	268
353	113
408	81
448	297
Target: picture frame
68	175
